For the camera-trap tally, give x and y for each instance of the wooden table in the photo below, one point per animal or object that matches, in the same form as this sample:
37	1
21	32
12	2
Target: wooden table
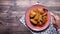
12	10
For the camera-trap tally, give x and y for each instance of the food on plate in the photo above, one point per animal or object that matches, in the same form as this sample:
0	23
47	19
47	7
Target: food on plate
32	14
33	21
41	11
38	16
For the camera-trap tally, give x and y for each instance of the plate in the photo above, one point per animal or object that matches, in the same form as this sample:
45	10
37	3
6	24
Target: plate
27	18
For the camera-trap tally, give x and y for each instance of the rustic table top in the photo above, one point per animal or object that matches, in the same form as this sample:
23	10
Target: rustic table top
12	10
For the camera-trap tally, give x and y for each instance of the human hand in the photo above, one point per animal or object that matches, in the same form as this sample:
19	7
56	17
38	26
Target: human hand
56	21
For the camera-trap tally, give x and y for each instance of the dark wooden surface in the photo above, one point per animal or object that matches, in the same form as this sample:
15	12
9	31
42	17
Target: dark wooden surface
12	10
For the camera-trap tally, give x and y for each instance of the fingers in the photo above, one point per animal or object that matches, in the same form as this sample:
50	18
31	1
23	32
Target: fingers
55	16
57	20
51	13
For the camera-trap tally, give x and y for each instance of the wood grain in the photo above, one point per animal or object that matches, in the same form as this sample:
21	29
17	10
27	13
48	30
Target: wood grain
12	10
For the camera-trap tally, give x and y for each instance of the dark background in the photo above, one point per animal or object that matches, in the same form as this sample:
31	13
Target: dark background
12	10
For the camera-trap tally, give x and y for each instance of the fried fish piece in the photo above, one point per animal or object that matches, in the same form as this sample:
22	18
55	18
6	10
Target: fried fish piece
45	18
32	13
41	11
33	21
36	17
40	17
40	24
45	14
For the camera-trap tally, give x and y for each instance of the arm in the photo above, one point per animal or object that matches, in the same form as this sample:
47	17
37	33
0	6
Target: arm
56	22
